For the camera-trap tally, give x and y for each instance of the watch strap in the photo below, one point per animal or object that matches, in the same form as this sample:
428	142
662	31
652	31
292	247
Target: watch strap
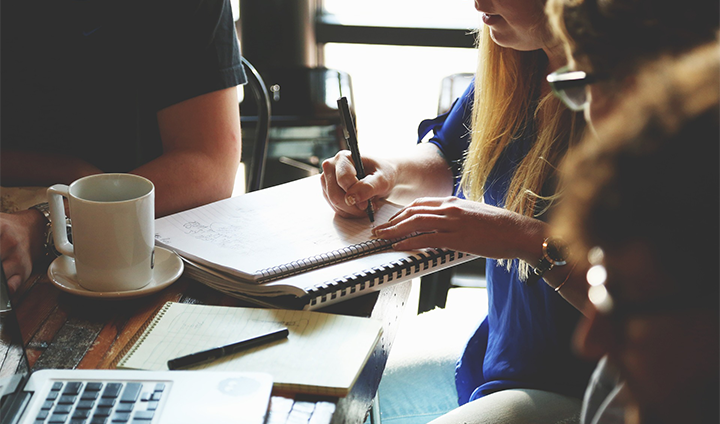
539	270
547	262
44	208
48	240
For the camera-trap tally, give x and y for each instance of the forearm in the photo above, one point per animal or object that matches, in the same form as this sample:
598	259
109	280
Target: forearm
186	179
574	284
423	172
201	152
25	168
484	230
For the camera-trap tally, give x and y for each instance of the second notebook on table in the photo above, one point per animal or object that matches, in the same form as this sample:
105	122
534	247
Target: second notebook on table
323	354
284	246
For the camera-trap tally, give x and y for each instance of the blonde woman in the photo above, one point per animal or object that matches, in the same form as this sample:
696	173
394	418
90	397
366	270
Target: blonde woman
518	365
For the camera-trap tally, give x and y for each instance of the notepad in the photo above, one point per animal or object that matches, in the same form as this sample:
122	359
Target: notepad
287	242
323	354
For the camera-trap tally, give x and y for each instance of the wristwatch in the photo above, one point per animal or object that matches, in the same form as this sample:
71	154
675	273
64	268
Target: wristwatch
554	253
48	240
44	208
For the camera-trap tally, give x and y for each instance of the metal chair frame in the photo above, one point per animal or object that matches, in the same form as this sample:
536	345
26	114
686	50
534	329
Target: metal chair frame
262	130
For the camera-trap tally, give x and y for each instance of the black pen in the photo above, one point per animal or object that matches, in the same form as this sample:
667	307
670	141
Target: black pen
351	138
222	351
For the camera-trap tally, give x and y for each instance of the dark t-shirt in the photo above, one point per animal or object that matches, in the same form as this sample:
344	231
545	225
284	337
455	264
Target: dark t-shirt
87	78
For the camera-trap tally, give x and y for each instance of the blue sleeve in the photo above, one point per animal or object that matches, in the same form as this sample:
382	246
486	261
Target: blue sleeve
451	131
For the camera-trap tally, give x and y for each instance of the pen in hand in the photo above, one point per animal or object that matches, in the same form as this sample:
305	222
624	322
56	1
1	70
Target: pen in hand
351	138
222	351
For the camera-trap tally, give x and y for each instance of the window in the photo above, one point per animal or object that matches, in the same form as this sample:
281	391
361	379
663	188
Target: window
396	86
453	14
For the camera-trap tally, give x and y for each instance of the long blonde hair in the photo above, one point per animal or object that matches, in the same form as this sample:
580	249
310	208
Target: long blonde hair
507	86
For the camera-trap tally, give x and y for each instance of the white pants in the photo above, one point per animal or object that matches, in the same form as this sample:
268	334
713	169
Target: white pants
516	406
418	385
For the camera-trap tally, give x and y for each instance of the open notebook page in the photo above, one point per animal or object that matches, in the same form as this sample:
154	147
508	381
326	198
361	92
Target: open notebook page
323	354
246	234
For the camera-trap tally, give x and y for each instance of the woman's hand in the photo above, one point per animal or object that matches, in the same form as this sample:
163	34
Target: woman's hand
347	195
466	226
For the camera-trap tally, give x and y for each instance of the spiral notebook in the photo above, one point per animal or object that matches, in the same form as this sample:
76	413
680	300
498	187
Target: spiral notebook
323	354
285	246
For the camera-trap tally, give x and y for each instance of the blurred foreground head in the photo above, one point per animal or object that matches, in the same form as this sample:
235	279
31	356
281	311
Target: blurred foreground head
610	40
644	199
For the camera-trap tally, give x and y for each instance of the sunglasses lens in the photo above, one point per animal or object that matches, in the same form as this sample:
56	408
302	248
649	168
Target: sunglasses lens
570	86
575	98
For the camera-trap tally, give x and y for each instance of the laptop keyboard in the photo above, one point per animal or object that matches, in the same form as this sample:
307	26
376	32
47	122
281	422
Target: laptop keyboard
92	402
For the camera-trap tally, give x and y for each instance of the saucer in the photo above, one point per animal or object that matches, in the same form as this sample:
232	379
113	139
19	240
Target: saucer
168	268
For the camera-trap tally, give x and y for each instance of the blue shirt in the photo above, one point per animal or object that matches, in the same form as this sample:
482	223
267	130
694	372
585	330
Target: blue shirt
525	340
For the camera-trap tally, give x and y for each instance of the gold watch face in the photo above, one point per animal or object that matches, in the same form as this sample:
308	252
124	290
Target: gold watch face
556	251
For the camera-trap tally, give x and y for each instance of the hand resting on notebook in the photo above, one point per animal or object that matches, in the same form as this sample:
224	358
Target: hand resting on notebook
466	226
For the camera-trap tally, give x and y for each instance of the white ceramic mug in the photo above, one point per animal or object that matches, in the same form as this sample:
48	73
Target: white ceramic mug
113	229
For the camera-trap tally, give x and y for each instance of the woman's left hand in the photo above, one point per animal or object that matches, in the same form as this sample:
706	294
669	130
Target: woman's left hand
466	226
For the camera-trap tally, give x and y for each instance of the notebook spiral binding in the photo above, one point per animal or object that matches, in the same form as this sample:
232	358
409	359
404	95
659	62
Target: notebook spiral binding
324	259
137	340
377	276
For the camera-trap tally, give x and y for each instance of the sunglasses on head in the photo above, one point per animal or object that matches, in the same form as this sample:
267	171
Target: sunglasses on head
569	86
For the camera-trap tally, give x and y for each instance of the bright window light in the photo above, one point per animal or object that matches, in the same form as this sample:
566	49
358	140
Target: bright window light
396	87
406	13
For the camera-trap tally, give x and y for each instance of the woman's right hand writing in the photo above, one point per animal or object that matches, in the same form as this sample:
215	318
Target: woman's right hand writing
346	194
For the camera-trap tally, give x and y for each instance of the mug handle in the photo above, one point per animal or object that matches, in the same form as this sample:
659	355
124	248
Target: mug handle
55	196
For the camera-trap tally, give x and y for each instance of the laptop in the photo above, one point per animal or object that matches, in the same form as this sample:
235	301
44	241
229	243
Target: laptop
120	396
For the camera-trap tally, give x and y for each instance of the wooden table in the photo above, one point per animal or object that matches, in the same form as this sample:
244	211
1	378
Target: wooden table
61	330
